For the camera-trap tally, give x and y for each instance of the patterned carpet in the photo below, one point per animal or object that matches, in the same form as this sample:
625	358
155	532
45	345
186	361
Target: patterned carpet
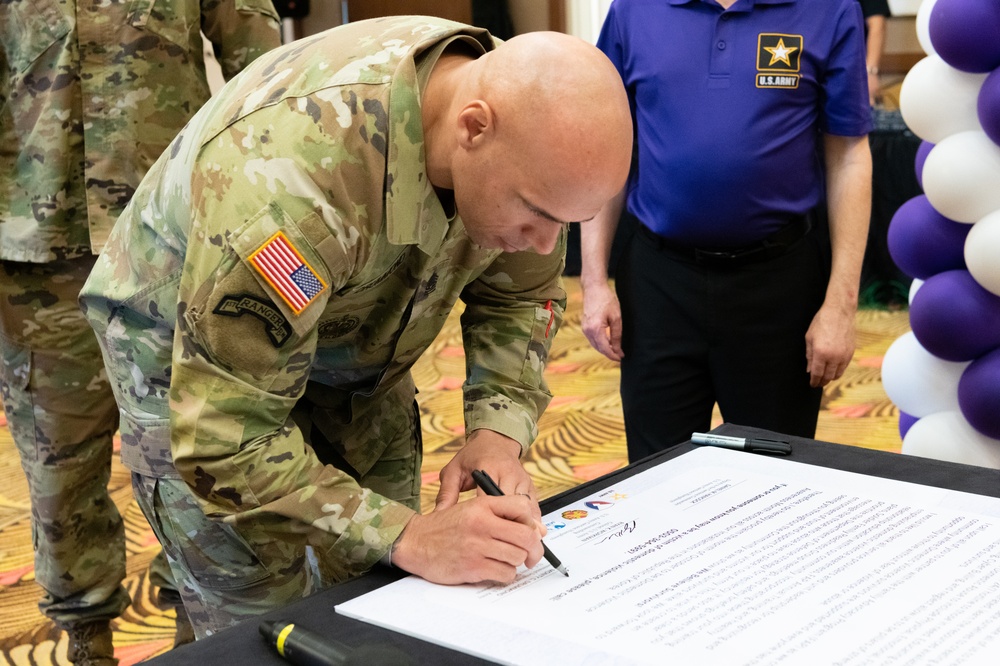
581	437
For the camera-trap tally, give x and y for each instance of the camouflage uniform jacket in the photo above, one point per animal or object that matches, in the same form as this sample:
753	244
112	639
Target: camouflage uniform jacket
91	92
295	217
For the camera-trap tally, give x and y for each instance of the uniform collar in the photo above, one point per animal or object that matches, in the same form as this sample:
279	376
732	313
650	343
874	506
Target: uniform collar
413	212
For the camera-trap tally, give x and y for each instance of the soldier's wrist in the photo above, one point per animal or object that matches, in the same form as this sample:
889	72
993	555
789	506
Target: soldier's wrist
386	559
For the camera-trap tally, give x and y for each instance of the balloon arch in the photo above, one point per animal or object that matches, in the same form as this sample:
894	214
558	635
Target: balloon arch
944	376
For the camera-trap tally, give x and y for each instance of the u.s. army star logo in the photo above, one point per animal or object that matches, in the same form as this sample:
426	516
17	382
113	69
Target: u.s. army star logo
236	305
778	60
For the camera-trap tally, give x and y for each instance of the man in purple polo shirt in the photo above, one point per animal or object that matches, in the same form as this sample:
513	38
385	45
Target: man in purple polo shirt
751	120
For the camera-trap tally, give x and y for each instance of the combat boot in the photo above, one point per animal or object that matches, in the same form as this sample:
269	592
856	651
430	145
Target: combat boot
90	644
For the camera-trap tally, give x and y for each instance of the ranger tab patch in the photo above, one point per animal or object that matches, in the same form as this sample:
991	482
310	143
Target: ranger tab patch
287	272
778	60
236	305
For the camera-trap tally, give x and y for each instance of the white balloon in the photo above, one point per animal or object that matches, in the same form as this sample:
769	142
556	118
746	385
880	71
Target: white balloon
938	100
982	252
918	382
914	287
948	436
961	177
923	26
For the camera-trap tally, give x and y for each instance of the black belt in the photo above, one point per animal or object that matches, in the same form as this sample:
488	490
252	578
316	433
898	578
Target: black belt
774	245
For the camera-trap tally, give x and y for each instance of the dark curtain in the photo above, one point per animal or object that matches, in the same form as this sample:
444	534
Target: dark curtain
894	182
494	16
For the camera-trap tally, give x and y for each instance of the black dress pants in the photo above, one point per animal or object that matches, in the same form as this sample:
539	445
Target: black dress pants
697	334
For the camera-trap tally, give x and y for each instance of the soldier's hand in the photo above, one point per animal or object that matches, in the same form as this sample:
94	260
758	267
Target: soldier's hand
485	538
495	454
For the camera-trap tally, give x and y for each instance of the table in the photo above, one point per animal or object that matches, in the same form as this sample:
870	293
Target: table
242	645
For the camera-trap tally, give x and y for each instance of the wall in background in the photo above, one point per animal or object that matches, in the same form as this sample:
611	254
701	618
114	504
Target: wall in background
529	15
582	18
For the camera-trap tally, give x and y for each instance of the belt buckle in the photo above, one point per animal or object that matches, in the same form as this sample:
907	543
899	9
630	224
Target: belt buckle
725	257
714	256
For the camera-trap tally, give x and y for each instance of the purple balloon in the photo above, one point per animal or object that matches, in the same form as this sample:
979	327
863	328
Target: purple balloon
988	106
923	242
979	394
954	318
966	33
923	150
905	421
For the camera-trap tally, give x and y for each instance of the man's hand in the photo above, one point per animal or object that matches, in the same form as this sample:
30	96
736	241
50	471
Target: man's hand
602	320
830	344
485	538
495	454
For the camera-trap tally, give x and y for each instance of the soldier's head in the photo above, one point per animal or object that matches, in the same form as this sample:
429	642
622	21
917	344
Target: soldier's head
537	134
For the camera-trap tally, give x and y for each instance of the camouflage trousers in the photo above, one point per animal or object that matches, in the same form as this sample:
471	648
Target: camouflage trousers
228	573
62	416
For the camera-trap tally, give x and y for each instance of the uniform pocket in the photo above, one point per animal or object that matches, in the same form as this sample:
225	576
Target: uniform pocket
15	391
214	553
538	351
28	28
257	6
174	21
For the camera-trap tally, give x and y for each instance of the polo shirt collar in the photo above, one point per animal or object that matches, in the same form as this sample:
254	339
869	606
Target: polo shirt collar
752	2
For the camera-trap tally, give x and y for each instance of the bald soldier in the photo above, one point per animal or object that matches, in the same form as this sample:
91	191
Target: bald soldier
262	300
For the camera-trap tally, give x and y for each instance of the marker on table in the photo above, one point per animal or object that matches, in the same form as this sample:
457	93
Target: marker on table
487	485
751	444
300	646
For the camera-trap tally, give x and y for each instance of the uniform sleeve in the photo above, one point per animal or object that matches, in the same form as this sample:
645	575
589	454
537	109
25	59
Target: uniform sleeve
512	313
240	30
242	358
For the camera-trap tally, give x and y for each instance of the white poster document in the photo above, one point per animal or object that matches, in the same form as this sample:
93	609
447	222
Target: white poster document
724	557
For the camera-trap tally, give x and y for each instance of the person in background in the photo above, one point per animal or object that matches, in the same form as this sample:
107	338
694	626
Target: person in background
282	267
91	92
875	13
748	117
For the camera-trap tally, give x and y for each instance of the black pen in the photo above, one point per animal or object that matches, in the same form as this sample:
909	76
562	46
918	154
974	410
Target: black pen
751	444
487	485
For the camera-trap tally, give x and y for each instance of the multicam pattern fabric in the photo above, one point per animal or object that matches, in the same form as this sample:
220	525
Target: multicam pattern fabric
62	416
91	92
321	140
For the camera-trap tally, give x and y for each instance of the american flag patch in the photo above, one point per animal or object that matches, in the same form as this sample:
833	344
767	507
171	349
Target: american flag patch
285	270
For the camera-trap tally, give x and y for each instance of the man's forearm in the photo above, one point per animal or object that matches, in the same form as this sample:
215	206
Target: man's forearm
848	176
596	237
876	43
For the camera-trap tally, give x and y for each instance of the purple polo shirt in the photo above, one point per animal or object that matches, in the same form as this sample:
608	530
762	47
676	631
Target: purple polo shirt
729	106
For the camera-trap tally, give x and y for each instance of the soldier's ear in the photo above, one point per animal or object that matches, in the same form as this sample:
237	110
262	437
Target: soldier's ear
476	122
